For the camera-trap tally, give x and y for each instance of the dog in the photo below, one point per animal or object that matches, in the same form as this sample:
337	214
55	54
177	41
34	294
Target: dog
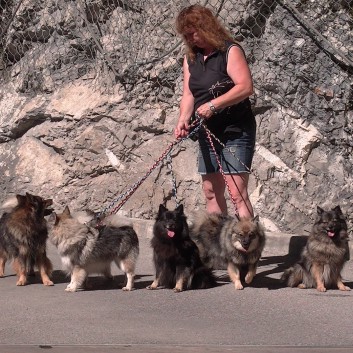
176	257
23	236
227	242
324	254
85	249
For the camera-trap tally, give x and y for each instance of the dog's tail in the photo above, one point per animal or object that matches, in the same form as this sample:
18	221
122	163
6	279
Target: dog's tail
9	204
296	275
290	277
203	278
93	219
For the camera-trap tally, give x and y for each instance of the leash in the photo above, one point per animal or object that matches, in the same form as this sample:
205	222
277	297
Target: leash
224	146
222	171
174	186
195	126
209	137
256	175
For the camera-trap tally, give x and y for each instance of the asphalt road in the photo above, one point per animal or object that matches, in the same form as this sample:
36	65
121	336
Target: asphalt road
262	318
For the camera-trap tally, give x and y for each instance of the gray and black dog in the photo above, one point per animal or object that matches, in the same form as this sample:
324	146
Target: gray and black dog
324	254
85	249
229	242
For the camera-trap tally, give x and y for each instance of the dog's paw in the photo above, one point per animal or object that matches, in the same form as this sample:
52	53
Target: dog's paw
321	288
344	288
127	289
249	277
301	286
21	282
153	285
48	283
238	286
71	288
177	290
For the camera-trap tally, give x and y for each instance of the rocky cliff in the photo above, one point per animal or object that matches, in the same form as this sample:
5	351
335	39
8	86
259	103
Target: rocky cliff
89	98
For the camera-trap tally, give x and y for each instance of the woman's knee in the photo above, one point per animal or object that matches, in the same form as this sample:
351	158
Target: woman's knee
238	186
213	187
208	190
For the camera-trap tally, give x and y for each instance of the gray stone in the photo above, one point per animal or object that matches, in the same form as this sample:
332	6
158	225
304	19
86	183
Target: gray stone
88	124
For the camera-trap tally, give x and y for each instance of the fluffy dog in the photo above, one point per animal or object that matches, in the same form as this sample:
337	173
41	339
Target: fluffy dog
84	249
229	242
175	256
23	236
324	254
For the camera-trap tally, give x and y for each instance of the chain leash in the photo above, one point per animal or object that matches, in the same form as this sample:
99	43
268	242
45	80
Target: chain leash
174	186
255	174
195	126
209	137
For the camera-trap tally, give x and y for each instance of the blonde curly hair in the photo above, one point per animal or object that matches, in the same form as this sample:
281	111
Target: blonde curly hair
202	20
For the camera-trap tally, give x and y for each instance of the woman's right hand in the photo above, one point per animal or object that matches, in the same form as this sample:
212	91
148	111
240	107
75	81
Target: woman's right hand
182	129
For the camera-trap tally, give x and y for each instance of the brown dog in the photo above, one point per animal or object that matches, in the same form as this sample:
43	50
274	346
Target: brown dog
324	255
231	243
23	236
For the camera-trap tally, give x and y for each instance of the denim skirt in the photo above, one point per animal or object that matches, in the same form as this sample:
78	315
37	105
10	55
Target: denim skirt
235	158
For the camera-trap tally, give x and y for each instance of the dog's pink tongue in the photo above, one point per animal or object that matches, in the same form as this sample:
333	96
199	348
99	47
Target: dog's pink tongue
330	234
170	233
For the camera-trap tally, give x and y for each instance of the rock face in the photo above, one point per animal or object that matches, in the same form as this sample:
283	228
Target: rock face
90	91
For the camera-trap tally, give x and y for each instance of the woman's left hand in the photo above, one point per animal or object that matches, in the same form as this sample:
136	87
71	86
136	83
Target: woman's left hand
204	111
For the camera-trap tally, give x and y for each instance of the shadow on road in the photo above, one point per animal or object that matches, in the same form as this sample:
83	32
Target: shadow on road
279	263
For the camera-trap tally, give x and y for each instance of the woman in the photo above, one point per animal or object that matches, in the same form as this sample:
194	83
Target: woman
217	84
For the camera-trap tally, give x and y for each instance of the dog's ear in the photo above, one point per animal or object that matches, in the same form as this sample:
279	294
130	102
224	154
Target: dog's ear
162	209
320	211
256	219
66	211
53	218
48	202
29	197
338	210
21	199
180	209
35	201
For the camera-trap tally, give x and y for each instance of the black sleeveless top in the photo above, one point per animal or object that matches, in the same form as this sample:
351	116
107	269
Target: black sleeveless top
208	80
